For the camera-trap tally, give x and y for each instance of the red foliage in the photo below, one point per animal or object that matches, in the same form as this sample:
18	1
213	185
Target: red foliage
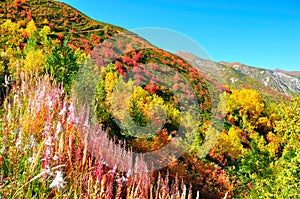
29	16
60	36
164	61
118	65
180	62
95	39
136	57
245	85
243	135
23	13
16	4
151	88
25	34
71	45
220	87
231	120
201	106
227	89
22	46
127	60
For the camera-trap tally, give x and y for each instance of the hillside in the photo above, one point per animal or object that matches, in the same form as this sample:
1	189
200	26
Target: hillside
91	110
41	38
72	30
64	21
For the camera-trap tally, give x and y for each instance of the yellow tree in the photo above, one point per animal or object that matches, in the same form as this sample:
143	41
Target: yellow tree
10	41
31	28
245	107
10	36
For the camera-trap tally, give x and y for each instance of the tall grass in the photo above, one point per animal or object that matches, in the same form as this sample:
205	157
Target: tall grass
49	151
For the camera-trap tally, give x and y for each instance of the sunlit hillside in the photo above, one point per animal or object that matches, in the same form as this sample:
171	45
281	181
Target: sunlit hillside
237	142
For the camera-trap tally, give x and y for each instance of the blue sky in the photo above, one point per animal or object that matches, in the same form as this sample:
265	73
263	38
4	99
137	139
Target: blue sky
261	33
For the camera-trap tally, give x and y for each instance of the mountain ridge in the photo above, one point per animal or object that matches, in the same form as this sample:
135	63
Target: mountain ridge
233	73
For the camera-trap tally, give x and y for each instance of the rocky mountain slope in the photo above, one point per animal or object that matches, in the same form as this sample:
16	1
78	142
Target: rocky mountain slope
238	75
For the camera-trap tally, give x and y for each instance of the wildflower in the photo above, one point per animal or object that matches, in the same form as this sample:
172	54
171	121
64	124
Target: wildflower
48	151
86	123
48	170
50	104
129	173
32	143
19	143
122	179
63	111
71	116
58	181
2	150
112	172
30	160
48	141
58	128
105	163
55	157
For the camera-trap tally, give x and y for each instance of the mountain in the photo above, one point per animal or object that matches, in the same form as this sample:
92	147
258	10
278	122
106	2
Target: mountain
45	44
238	75
291	73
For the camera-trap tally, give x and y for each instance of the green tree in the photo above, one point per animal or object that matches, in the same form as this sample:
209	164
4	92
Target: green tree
63	65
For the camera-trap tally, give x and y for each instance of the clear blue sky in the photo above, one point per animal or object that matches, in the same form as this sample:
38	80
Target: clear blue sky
262	33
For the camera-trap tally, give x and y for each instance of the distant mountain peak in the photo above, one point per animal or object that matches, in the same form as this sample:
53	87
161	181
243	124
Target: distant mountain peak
230	63
292	73
186	55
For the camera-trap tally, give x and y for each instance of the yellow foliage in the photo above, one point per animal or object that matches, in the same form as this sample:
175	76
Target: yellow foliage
264	121
21	23
143	100
118	101
110	78
247	101
31	27
274	145
248	104
34	61
46	21
230	144
44	32
10	34
259	140
287	127
81	56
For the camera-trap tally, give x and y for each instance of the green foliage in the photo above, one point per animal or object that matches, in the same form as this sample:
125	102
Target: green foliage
62	64
256	156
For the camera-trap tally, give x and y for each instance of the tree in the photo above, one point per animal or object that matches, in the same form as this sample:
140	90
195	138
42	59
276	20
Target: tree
62	65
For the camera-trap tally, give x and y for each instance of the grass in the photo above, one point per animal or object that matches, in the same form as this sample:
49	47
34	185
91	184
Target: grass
45	152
